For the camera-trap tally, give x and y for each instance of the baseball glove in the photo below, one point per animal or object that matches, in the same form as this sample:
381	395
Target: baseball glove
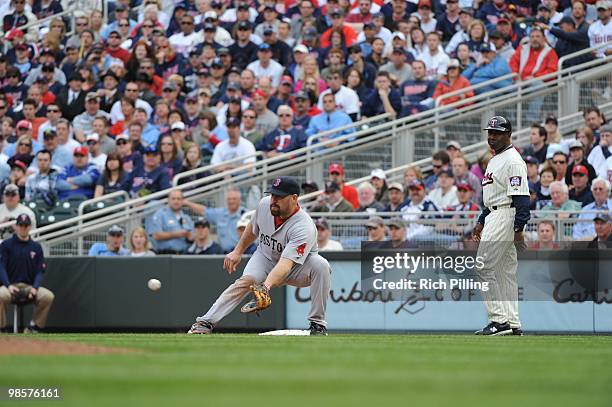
260	301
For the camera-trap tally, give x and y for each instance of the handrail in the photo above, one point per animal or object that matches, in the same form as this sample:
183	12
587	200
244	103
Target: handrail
198	170
281	162
46	19
360	123
474	87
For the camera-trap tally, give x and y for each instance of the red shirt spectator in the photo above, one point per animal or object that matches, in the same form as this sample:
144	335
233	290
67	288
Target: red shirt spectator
451	82
535	58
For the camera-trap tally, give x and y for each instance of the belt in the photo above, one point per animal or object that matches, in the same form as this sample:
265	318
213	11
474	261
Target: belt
496	207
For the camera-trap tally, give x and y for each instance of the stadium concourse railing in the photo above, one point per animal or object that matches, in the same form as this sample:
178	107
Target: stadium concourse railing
444	228
400	136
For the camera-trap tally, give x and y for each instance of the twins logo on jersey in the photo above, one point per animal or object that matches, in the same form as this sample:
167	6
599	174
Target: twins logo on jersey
488	179
271	242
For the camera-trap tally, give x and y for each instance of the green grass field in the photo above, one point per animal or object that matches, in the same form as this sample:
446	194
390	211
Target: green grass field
339	370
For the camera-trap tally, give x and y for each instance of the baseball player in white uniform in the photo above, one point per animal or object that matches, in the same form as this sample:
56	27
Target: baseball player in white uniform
287	254
506	199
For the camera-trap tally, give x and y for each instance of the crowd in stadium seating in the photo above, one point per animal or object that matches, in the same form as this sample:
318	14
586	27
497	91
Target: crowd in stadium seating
163	87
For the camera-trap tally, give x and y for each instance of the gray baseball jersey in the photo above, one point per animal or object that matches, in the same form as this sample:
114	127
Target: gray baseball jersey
506	175
295	238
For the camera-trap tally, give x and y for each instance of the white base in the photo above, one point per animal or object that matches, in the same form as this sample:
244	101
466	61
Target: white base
287	332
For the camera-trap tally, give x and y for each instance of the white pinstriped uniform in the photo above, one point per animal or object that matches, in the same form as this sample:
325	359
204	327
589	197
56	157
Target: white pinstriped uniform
505	176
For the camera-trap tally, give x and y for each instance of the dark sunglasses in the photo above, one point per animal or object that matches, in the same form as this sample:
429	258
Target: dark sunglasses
52	110
121	142
25	144
559	162
10	193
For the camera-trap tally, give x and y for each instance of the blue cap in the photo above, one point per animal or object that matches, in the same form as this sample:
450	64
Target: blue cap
283	186
150	149
264	46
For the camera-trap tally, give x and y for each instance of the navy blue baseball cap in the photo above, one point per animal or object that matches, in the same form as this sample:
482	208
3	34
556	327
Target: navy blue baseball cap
150	149
24	220
283	186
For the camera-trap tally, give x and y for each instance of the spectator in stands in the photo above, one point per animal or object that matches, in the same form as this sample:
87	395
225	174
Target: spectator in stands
397	234
452	82
79	178
489	66
235	146
417	93
466	199
538	147
410	174
436	61
600	189
60	157
382	99
378	179
560	201
532	169
171	156
114	178
41	185
284	138
203	244
546	236
601	153
354	81
305	109
264	65
398	67
448	20
569	41
225	218
71	100
249	126
581	187
603	232
149	177
347	100
10	209
266	119
349	192
170	228
96	156
439	161
445	194
22	263
17	175
460	167
560	163
503	47
337	23
365	68
376	229
551	124
465	19
139	243
578	158
599	31
547	176
113	246
534	59
594	119
65	142
324	240
415	206
367	199
241	226
332	200
83	122
330	118
396	197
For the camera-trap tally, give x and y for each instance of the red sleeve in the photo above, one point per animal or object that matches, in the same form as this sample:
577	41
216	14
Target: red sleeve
350	35
549	65
324	39
439	92
350	194
515	61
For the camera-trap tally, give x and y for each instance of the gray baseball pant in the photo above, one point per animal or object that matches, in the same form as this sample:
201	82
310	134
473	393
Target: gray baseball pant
315	272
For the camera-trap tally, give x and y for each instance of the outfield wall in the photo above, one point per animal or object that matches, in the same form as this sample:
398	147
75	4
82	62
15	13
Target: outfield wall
112	294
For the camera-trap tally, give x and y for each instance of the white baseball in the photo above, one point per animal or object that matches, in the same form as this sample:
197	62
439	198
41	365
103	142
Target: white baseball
154	284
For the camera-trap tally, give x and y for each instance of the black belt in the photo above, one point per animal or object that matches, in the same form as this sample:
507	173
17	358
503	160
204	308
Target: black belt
496	207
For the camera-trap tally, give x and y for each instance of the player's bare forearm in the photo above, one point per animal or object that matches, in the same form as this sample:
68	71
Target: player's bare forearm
279	273
247	239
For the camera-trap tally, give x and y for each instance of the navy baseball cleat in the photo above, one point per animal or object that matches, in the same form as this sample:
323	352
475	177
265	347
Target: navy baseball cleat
317	329
517	332
495	329
201	327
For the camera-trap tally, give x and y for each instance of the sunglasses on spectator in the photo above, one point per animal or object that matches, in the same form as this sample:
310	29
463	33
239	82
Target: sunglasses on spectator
83	24
79	155
52	110
10	193
3	107
284	115
148	26
92	142
186	23
124	25
559	162
121	142
13	75
372	227
24	144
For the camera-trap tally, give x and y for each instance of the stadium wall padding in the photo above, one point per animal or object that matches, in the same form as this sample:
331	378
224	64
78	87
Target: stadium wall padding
112	293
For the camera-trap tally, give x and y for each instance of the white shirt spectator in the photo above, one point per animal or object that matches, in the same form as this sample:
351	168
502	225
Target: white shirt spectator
183	44
598	161
99	161
435	64
274	71
444	200
332	245
600	34
116	115
346	100
384	34
225	151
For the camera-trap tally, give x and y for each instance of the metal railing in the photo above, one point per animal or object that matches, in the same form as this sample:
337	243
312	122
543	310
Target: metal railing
214	167
400	136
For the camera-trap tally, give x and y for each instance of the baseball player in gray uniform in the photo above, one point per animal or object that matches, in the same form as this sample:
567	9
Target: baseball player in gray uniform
500	228
287	254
